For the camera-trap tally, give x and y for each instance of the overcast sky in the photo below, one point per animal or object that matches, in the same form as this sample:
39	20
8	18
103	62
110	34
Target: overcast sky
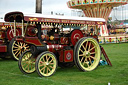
57	6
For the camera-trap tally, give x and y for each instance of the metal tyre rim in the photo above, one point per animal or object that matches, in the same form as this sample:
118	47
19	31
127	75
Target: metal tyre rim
88	54
27	63
18	48
46	64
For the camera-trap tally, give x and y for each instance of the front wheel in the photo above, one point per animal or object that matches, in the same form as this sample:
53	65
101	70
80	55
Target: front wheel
27	62
46	64
87	55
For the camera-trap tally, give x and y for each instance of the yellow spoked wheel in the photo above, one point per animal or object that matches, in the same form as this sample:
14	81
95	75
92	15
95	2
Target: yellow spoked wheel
87	54
46	64
27	62
17	48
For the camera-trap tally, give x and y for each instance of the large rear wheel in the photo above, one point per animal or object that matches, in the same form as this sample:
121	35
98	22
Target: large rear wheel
27	62
17	48
46	64
87	54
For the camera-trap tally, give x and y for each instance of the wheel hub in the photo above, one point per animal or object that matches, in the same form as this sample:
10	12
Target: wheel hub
46	63
86	53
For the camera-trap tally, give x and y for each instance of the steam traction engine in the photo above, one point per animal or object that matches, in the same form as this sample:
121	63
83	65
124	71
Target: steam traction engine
55	47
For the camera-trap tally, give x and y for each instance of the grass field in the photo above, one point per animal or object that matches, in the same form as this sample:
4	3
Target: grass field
116	75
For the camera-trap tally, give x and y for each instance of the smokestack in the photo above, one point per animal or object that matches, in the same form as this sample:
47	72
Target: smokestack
38	6
39	10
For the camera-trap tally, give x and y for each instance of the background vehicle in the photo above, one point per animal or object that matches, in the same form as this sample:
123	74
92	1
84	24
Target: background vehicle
52	47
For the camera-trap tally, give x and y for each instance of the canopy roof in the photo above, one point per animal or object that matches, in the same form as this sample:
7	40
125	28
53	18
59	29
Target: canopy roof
19	16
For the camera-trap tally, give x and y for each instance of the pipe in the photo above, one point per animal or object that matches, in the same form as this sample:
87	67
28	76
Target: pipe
14	28
22	28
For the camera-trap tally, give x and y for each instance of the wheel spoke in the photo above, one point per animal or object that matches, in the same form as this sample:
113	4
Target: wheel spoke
90	61
43	69
21	44
51	67
82	59
47	70
16	52
48	58
93	57
42	63
26	66
93	53
27	47
81	55
84	47
43	59
89	46
92	48
51	61
81	50
16	45
25	63
86	44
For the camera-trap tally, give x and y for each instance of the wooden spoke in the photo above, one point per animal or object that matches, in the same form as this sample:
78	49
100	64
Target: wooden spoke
92	48
93	53
82	59
81	55
51	67
16	50
51	61
43	68
42	63
26	66
81	50
47	70
18	53
31	66
89	46
25	63
43	59
93	57
24	44
27	47
20	44
48	58
16	47
84	47
90	61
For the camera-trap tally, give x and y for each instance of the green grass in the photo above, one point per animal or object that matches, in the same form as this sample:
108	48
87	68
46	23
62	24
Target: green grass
116	75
